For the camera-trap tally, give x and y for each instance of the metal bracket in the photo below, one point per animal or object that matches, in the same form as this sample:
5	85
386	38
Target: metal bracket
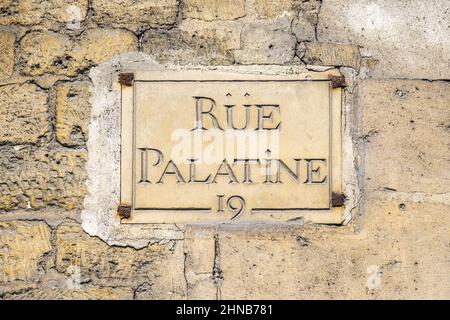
338	199
338	82
126	79
124	211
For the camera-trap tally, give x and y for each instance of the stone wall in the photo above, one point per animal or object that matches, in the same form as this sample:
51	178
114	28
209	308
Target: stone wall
394	55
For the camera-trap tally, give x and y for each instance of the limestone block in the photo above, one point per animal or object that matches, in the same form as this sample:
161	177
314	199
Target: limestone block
226	32
6	54
72	113
115	266
210	43
332	54
31	12
23	114
23	245
303	29
406	238
47	81
46	52
282	263
34	178
213	9
406	133
310	9
82	293
113	42
265	44
408	38
401	253
135	15
68	11
57	54
271	9
200	251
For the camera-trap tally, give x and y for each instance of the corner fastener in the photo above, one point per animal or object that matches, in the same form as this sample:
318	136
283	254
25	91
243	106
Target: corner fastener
124	211
338	199
337	82
126	79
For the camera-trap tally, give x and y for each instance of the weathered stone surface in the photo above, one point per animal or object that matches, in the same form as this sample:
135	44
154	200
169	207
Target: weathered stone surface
213	9
310	9
200	250
135	15
408	38
114	42
30	12
47	81
70	12
23	114
19	12
407	238
58	54
46	52
6	54
72	113
265	44
115	266
281	263
332	54
52	216
83	293
226	32
194	42
23	245
387	260
271	9
34	178
303	29
407	137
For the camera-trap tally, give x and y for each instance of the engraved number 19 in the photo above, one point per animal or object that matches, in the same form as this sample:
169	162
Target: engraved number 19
235	204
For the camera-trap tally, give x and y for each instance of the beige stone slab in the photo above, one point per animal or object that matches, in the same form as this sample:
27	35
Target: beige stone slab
402	252
405	129
407	39
213	9
183	132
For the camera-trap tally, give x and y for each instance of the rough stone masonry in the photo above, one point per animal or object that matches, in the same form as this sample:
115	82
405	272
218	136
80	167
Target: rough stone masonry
395	59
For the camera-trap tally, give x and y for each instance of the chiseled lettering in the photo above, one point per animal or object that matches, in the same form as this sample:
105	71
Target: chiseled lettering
230	121
200	113
263	118
313	174
247	172
144	162
228	172
282	165
175	171
192	173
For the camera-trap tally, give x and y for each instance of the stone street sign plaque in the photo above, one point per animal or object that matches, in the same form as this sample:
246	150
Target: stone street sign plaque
215	146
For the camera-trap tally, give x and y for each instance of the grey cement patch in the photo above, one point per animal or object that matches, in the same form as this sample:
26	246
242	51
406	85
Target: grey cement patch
99	216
